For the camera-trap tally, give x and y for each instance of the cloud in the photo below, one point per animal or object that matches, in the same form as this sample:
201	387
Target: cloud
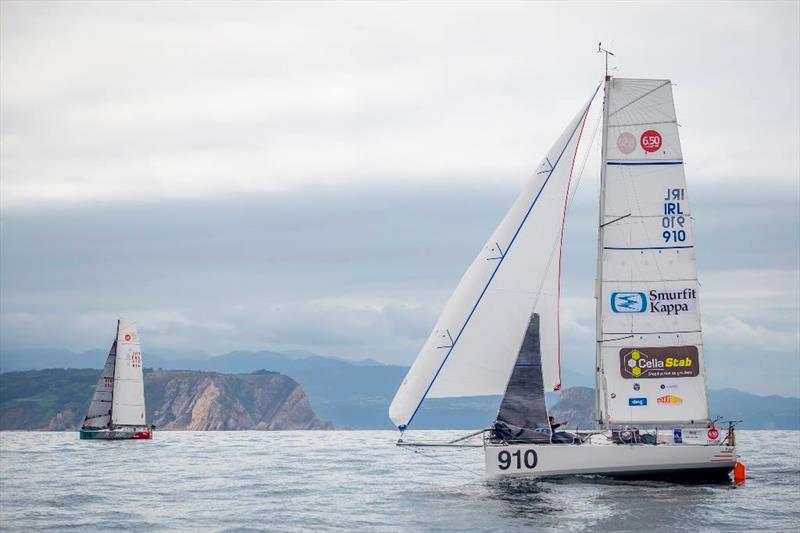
99	103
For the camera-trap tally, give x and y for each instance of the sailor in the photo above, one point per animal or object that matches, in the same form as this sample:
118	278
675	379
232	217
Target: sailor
554	426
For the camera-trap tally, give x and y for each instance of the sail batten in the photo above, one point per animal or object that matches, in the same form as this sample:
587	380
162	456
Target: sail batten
512	277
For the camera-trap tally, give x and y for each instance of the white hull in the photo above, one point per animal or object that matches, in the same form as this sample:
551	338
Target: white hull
624	460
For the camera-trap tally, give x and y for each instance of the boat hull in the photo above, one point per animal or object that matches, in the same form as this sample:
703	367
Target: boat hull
625	461
136	433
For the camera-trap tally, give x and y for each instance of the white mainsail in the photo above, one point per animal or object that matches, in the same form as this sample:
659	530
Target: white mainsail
128	402
99	414
650	345
476	341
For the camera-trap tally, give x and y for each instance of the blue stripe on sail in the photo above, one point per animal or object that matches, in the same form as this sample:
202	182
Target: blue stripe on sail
499	262
648	248
648	333
641	163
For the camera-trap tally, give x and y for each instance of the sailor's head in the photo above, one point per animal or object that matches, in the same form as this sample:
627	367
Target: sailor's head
551	419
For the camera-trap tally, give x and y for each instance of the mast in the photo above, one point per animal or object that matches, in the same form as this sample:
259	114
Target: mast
598	296
114	378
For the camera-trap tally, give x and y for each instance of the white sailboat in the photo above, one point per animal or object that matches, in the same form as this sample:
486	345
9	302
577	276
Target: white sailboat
499	332
117	409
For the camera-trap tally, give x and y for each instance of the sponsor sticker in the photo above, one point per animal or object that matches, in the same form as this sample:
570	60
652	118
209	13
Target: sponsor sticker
677	435
636	386
669	399
653	301
665	386
628	302
661	362
626	142
651	141
713	434
637	402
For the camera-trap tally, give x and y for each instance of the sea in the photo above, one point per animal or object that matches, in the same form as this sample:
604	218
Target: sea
360	481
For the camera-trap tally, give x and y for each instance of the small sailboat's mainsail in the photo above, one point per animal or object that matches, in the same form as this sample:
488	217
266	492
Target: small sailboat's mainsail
128	402
476	341
99	415
522	416
650	346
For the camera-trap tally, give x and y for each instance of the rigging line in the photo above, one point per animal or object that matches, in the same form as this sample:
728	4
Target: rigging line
561	244
435	459
500	262
466	436
557	241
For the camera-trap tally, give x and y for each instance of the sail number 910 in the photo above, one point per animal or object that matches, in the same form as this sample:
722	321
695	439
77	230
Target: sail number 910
521	460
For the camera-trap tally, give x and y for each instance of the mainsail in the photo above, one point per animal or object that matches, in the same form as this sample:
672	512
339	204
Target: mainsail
99	415
650	345
475	343
128	401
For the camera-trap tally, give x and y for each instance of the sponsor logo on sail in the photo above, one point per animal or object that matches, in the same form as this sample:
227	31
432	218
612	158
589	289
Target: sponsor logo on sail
626	142
628	302
669	399
659	362
662	302
665	386
636	386
677	435
637	402
651	141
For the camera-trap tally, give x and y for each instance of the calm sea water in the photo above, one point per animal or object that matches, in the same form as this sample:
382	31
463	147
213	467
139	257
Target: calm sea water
300	481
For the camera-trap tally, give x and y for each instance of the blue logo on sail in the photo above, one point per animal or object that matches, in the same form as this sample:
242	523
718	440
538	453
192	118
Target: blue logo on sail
628	302
637	402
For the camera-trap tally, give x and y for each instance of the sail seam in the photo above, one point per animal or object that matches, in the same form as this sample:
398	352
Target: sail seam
500	262
648	248
641	163
648	93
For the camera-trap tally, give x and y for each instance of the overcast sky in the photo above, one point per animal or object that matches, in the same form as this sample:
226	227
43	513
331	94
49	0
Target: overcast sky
319	175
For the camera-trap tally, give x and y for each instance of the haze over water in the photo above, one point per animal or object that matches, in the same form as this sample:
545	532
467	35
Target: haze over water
299	481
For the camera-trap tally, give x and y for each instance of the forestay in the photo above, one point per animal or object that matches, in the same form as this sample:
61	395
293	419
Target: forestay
477	338
99	414
128	403
651	348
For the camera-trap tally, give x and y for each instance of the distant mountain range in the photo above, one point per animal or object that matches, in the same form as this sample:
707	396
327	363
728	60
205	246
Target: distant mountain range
357	394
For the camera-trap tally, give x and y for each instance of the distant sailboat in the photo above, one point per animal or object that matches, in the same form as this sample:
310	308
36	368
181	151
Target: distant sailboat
499	332
117	409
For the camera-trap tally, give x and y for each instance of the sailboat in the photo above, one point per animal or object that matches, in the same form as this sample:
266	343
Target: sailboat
499	332
117	409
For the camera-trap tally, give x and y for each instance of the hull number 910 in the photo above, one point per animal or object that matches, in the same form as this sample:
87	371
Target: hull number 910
518	459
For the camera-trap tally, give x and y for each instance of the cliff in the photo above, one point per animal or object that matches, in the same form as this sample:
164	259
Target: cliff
191	400
575	404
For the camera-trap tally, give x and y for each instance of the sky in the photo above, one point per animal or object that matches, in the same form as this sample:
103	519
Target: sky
317	176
